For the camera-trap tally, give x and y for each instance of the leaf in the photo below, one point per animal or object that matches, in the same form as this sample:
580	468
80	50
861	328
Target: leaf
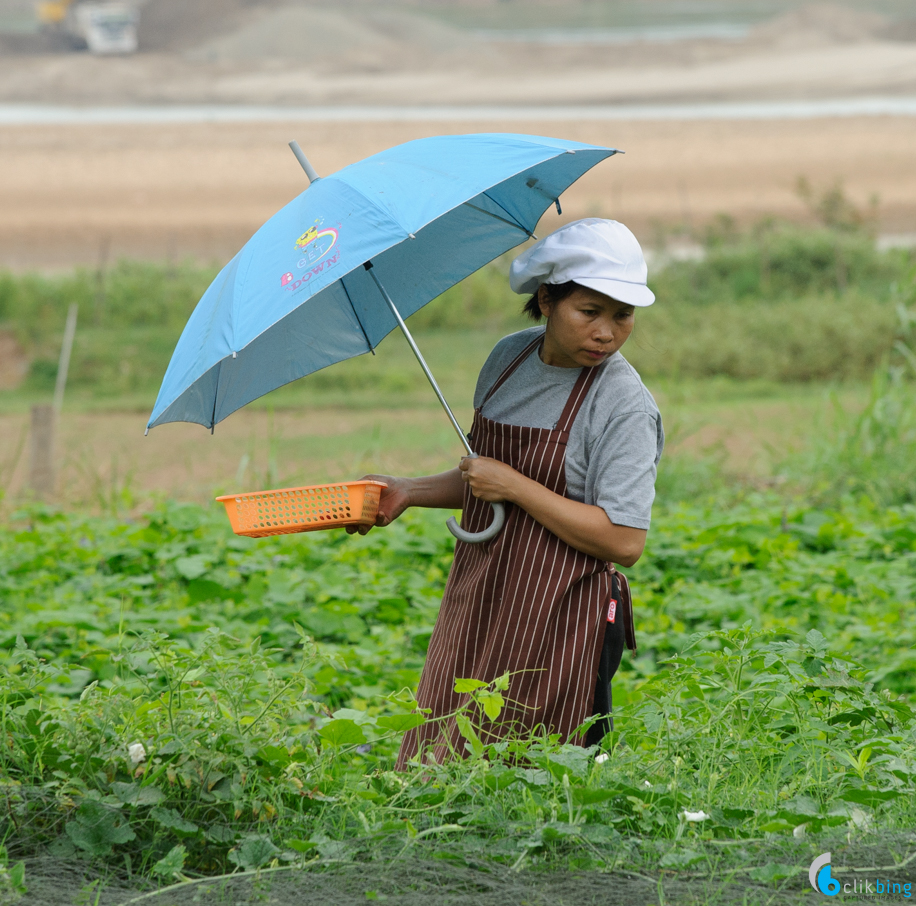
585	796
400	723
96	829
183	517
253	853
208	590
468	685
358	717
776	871
569	760
871	798
557	830
534	777
501	683
491	702
275	755
467	731
682	858
16	878
800	807
219	833
170	818
816	640
813	666
135	794
301	846
778	826
192	567
342	733
333	850
171	865
334	624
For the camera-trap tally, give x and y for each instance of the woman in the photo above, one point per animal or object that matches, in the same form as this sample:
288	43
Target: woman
569	438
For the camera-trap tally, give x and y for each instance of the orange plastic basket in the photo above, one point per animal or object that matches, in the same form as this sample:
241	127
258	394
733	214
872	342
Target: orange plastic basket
290	510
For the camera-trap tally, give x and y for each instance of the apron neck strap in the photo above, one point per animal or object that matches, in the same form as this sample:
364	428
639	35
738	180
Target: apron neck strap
577	394
577	397
511	367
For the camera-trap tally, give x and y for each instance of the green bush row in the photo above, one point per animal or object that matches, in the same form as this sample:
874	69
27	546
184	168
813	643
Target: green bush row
781	262
782	304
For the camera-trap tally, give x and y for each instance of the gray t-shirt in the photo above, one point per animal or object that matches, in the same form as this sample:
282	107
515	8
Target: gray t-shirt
616	440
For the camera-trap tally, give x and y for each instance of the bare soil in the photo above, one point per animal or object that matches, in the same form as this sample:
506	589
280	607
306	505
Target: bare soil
360	52
85	195
103	459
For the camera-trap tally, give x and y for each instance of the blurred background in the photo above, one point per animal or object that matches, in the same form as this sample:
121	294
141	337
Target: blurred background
768	173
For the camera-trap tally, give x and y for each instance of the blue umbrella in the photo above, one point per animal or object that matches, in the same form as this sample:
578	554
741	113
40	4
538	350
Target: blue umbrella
316	283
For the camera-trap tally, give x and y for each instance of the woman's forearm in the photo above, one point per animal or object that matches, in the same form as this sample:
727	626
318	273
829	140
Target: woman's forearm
444	491
582	526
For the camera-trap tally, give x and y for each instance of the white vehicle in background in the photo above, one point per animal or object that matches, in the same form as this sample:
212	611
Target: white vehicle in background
105	26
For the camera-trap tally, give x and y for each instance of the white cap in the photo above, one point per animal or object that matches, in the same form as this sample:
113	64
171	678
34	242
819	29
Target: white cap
600	254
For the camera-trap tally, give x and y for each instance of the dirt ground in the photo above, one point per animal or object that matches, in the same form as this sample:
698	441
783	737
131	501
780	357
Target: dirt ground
85	195
104	460
89	194
368	52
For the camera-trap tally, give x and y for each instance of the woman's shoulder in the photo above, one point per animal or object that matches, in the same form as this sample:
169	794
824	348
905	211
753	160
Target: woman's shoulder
510	346
501	356
622	391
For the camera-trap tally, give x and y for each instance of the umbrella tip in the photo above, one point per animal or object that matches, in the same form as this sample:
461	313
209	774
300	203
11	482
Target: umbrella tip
146	432
310	171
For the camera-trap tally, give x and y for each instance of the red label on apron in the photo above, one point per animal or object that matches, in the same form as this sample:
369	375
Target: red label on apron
611	610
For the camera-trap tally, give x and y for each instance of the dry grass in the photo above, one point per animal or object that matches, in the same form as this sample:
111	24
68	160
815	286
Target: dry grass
105	461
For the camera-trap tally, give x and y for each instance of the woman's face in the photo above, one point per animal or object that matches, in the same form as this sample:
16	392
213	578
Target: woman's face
583	329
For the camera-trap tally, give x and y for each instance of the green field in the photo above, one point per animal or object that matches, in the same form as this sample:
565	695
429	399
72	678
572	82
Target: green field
268	681
767	717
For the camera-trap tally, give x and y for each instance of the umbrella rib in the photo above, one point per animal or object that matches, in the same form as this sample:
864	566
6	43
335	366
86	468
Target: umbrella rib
512	223
358	319
219	368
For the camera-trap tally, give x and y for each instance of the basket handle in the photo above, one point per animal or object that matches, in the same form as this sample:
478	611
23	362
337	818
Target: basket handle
491	531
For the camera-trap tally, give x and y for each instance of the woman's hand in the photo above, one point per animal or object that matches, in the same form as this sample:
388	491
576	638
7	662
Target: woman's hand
442	491
490	479
393	500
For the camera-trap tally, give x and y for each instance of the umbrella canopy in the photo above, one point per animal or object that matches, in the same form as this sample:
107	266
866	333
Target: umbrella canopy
299	297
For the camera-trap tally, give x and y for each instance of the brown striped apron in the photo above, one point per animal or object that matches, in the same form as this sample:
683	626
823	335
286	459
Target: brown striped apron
525	603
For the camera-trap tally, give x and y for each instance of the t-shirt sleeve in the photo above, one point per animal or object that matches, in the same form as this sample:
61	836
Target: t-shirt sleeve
620	477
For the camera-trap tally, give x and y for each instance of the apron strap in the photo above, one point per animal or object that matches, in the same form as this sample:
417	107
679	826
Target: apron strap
510	368
577	397
577	394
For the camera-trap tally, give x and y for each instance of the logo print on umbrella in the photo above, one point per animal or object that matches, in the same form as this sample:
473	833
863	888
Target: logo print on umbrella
315	243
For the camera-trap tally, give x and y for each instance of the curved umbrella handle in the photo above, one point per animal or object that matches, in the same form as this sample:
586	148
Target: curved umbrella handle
491	531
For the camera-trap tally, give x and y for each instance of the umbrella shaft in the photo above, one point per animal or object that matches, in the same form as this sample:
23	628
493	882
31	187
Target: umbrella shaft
420	359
